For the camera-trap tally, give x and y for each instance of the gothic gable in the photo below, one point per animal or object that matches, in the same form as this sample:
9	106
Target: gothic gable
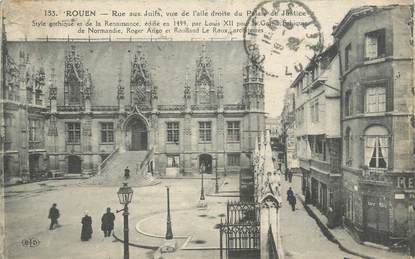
140	81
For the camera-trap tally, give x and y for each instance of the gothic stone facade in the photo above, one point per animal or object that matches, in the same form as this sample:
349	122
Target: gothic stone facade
68	105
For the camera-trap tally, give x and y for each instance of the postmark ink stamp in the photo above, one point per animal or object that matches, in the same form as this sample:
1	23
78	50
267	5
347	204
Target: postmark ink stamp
281	36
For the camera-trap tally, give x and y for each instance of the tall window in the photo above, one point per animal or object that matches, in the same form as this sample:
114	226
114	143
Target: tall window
314	111
375	44
73	132
376	147
348	103
375	99
347	52
348	146
33	129
172	132
234	159
234	131
205	131
107	132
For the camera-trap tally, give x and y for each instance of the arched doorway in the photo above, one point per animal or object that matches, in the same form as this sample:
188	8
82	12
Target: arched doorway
74	164
206	161
136	132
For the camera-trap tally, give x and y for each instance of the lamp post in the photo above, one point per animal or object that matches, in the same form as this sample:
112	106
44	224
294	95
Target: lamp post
202	191
216	178
125	195
169	232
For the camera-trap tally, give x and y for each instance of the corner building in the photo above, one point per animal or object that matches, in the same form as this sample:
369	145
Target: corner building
377	121
88	107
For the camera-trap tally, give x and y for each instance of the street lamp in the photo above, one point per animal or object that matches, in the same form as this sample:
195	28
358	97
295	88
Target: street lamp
216	178
169	232
125	195
202	191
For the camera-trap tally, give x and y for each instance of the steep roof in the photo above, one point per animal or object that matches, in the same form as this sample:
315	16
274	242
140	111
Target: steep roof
356	13
167	59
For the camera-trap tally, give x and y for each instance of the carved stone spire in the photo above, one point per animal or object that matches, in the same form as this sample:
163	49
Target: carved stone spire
74	78
140	81
120	87
220	86
204	81
187	93
53	90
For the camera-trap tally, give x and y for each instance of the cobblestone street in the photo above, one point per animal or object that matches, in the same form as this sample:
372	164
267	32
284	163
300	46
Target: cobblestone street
301	236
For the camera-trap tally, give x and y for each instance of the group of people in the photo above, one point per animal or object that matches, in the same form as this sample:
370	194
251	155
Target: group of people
107	222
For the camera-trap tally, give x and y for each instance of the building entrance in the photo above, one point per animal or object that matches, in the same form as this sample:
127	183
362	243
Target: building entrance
205	161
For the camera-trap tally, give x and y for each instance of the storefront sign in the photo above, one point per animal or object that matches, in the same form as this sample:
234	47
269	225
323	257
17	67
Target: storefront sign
399	196
405	182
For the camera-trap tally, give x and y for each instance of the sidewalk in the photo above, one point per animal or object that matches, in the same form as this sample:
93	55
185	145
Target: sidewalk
344	240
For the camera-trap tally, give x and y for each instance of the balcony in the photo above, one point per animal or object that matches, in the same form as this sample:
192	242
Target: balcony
234	107
170	107
320	165
35	145
104	108
70	108
204	107
374	175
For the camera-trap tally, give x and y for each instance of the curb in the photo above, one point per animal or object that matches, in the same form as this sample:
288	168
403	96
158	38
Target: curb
136	245
327	233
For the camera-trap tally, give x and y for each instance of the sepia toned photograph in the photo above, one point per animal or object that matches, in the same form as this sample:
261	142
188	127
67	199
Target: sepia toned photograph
205	129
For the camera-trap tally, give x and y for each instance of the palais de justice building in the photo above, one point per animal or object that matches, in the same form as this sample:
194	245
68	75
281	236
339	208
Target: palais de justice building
81	107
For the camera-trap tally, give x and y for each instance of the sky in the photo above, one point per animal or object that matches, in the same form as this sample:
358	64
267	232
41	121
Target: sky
21	14
328	13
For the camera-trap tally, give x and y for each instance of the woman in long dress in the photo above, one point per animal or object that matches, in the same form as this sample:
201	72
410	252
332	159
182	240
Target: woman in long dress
86	231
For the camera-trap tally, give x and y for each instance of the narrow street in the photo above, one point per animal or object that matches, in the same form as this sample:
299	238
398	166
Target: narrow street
301	236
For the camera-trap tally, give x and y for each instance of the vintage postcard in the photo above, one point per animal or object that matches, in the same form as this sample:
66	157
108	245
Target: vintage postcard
207	129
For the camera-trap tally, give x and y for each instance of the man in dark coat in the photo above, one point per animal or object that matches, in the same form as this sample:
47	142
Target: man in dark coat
291	198
292	202
86	231
126	173
53	216
107	221
290	176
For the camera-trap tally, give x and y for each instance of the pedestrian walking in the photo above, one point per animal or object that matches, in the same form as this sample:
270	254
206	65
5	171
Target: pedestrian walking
107	222
286	174
292	201
290	176
53	216
86	231
291	198
126	173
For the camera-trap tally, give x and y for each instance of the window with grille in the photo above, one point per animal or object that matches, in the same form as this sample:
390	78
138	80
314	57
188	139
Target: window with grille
375	99
107	132
375	44
233	131
73	132
172	132
205	131
234	159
